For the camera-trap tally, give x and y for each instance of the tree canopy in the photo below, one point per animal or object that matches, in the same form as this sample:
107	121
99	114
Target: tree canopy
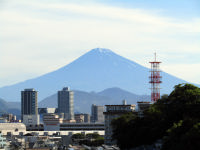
174	119
90	139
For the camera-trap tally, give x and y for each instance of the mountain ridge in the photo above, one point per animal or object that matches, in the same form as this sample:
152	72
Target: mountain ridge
81	98
96	70
108	96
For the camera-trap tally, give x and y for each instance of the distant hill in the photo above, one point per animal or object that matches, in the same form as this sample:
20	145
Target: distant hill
84	100
3	105
10	107
94	71
119	94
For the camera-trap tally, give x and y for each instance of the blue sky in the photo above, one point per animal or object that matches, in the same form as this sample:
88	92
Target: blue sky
40	36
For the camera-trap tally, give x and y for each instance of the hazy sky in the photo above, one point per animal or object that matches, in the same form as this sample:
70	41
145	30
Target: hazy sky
40	36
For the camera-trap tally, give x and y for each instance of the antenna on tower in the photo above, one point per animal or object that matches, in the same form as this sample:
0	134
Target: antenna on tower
155	80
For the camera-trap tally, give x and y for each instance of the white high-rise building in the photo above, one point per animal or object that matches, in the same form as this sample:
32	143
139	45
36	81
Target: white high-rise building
97	113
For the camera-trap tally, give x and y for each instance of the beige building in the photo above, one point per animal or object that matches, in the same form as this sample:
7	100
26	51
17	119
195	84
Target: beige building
13	128
79	118
52	122
31	120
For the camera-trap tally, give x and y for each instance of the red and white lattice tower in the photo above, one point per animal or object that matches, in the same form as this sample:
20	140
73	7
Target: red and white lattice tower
155	80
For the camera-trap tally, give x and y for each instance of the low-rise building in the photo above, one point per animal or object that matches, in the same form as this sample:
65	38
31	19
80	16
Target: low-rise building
3	120
9	117
114	111
86	118
2	142
31	120
82	127
79	118
46	110
13	128
52	122
39	127
97	113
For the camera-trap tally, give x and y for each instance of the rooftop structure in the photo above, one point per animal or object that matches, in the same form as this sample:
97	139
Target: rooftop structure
46	110
82	126
31	89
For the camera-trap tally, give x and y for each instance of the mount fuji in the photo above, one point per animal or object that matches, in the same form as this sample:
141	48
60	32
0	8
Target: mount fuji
96	70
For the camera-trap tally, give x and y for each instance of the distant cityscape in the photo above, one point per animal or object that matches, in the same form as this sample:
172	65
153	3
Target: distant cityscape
88	75
59	121
106	127
59	127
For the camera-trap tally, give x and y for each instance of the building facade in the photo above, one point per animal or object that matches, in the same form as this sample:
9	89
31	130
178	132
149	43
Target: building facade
97	113
87	118
66	103
52	122
46	110
12	128
114	111
42	111
29	106
9	117
79	118
82	126
2	142
31	120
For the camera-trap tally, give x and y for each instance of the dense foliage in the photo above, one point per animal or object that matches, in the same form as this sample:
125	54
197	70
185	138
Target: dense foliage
175	119
91	139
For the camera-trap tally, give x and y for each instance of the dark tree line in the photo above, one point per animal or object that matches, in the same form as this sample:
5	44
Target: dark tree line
91	139
174	119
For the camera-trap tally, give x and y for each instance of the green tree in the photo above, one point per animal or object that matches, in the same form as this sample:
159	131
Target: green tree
78	136
121	126
173	116
183	135
92	139
92	135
